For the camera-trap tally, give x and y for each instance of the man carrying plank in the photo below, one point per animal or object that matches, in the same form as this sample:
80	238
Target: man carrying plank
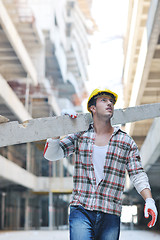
102	154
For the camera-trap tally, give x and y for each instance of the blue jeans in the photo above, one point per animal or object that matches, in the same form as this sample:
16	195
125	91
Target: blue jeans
87	225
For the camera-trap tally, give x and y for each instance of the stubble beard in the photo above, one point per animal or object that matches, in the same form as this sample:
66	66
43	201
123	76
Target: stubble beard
105	117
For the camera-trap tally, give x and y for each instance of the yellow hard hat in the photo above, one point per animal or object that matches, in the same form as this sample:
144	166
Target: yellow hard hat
99	92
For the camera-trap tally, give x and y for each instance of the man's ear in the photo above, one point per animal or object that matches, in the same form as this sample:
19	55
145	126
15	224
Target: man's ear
93	108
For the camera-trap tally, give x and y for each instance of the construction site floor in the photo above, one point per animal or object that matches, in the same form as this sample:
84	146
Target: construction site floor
64	235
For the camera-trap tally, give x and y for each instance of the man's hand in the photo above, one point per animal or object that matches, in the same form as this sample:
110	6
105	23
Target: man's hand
69	112
150	209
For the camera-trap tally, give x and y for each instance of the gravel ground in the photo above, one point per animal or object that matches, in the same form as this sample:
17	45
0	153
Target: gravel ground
63	235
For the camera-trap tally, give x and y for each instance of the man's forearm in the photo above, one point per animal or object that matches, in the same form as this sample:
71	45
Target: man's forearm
146	193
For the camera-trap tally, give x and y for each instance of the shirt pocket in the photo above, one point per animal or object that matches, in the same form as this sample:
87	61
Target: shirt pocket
85	153
122	150
85	147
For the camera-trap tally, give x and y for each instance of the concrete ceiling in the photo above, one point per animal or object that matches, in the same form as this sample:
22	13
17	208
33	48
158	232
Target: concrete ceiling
142	62
19	35
141	80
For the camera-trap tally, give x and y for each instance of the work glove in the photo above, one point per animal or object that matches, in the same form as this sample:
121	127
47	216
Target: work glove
150	209
69	112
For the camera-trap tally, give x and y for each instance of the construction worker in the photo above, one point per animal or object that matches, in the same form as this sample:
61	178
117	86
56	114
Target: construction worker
102	155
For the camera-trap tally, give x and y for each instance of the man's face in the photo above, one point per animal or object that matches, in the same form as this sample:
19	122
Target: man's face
104	107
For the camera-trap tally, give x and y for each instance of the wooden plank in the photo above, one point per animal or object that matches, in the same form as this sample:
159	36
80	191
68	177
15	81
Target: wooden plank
41	128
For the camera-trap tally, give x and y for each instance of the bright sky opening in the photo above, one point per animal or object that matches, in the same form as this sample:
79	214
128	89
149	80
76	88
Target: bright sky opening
106	54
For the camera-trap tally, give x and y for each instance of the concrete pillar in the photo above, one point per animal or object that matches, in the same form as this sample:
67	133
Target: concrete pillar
54	164
50	210
27	211
40	213
61	169
27	94
54	216
18	199
38	58
28	157
3	210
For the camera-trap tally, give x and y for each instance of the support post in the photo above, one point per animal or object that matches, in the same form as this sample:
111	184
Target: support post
3	210
26	226
50	206
28	157
18	211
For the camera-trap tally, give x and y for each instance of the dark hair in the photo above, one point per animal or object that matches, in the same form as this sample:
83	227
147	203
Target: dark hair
92	102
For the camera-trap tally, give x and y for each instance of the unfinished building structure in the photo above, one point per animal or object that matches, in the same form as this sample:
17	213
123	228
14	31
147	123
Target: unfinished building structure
141	81
43	68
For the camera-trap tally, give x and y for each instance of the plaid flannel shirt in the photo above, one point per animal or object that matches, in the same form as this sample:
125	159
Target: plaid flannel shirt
122	153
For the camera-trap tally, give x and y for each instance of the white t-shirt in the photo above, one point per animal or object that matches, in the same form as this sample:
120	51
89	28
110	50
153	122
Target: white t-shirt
99	157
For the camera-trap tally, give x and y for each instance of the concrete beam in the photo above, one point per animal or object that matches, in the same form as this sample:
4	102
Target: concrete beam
148	99
17	43
12	172
148	45
9	171
154	75
3	119
149	42
135	11
38	33
41	128
56	184
155	65
142	127
12	101
150	150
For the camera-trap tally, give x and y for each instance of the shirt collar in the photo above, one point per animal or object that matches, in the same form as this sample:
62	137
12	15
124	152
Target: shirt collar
116	129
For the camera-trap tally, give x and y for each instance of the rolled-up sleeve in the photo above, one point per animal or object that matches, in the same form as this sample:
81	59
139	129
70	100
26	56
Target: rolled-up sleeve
134	167
140	181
